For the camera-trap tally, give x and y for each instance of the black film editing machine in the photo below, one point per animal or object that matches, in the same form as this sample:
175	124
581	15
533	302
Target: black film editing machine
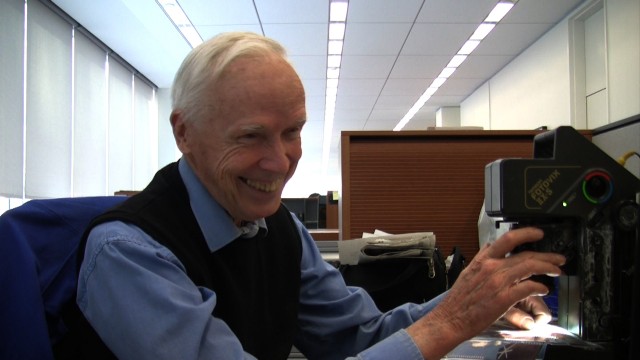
587	204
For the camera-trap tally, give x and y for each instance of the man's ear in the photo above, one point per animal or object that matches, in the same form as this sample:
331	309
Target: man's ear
180	133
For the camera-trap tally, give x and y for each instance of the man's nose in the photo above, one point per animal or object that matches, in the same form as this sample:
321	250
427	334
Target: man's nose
276	157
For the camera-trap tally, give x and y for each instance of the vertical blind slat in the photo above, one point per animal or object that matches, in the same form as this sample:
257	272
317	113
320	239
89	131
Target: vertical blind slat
11	95
48	111
90	119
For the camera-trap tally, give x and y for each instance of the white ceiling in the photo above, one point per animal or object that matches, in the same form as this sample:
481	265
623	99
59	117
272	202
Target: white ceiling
393	49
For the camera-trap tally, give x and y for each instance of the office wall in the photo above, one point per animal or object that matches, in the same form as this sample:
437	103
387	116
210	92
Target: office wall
623	57
545	85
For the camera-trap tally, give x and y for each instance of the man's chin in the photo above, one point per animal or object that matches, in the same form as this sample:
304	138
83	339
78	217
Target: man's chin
263	210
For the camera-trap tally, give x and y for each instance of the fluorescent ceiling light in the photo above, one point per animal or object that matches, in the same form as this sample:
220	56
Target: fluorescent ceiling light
468	47
338	10
337	24
499	11
180	20
456	61
332	94
335	47
410	114
336	30
333	73
334	61
438	82
446	72
430	91
482	31
191	34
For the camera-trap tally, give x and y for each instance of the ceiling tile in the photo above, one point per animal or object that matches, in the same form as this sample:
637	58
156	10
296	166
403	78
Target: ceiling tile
417	66
357	87
510	39
393	102
315	87
349	125
481	66
427	39
400	87
291	11
455	11
459	87
390	116
310	66
355	102
367	67
445	100
376	125
383	11
315	109
219	12
374	38
309	39
540	11
208	31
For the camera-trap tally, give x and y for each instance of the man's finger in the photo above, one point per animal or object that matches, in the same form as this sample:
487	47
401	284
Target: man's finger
535	306
519	318
509	240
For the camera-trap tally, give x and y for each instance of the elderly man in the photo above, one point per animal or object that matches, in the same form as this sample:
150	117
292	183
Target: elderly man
206	263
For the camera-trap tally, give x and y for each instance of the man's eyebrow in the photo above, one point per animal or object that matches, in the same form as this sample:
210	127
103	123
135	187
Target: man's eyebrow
252	127
258	127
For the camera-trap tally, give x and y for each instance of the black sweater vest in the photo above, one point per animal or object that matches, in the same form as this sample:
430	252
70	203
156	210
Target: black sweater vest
256	280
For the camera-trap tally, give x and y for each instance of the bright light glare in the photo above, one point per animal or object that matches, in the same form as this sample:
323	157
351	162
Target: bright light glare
468	47
499	11
336	31
438	82
338	11
482	31
334	61
456	61
333	73
446	72
544	331
335	47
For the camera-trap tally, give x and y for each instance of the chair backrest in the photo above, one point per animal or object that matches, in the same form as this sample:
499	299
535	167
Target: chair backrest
38	270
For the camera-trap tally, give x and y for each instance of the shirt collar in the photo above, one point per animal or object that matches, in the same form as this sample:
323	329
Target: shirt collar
216	224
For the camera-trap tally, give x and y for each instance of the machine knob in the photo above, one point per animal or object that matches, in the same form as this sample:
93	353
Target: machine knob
628	215
597	187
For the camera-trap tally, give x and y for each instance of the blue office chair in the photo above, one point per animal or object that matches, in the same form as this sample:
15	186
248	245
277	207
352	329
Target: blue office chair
38	267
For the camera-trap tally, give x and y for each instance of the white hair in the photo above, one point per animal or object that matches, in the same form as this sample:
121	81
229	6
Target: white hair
205	64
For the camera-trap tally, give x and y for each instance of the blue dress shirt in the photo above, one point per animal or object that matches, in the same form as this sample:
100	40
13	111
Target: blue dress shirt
138	297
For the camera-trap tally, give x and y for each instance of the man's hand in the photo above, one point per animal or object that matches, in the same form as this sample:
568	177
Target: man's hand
528	312
486	290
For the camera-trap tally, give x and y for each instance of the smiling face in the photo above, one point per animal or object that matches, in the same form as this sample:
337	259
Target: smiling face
248	145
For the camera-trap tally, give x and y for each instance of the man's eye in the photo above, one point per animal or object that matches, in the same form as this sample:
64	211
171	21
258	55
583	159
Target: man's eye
249	136
294	133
